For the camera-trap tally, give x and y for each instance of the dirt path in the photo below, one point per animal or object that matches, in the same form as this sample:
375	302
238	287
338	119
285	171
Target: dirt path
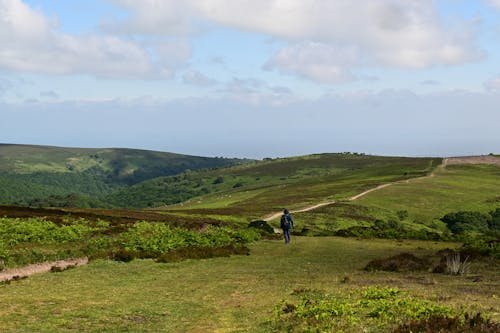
442	166
21	272
355	197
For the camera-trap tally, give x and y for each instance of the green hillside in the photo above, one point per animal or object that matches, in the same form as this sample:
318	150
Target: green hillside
44	175
254	190
410	208
456	188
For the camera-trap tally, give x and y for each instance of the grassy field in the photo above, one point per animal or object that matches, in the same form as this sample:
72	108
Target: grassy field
235	294
269	186
417	204
456	188
246	293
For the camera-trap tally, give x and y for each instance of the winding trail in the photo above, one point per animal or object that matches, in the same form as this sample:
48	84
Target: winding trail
22	272
440	167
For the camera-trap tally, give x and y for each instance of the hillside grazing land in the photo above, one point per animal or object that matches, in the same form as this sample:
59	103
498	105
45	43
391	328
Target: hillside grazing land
252	191
44	176
472	187
240	293
416	205
316	283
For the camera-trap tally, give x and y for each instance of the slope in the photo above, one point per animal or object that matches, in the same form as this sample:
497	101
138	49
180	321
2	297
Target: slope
31	174
416	205
460	186
254	190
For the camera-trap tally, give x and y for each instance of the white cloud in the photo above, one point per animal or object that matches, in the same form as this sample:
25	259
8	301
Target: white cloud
198	79
49	94
153	17
325	37
495	3
493	84
389	122
315	61
393	32
387	32
256	92
30	42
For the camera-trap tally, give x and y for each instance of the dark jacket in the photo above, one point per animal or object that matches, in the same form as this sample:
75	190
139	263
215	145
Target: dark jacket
284	219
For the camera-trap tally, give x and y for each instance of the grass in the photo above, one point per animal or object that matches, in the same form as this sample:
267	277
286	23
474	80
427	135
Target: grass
416	205
236	294
456	188
33	175
241	293
297	182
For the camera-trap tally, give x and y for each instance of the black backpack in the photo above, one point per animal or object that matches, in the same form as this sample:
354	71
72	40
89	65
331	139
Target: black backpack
285	222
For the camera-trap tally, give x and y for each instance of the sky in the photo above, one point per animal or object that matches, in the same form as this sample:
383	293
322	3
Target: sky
255	79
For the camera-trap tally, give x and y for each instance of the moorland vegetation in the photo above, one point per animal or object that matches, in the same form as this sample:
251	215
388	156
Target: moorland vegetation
44	176
419	253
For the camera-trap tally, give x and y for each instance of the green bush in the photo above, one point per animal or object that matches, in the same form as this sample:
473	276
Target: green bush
29	240
402	214
359	311
494	223
390	230
460	222
218	180
159	238
485	245
36	230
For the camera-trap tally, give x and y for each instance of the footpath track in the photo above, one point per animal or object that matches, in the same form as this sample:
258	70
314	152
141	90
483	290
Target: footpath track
22	272
357	196
485	159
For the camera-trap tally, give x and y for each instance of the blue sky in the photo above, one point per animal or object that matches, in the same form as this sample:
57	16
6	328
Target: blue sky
253	78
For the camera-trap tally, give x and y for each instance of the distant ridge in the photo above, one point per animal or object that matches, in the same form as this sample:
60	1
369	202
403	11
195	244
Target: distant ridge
44	175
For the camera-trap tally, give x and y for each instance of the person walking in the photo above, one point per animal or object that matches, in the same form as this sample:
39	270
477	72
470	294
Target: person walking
286	224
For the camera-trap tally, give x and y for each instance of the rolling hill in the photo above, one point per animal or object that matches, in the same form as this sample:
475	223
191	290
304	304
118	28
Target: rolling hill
57	176
253	190
421	192
215	190
460	186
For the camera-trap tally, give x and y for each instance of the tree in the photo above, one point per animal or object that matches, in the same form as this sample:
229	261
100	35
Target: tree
466	221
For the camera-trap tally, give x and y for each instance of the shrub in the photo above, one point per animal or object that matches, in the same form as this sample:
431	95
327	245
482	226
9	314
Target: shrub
359	311
460	222
36	230
218	180
398	263
123	255
482	245
494	223
402	214
445	324
155	239
356	231
202	253
262	226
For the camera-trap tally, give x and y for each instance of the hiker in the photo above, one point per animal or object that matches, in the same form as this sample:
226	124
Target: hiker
286	224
